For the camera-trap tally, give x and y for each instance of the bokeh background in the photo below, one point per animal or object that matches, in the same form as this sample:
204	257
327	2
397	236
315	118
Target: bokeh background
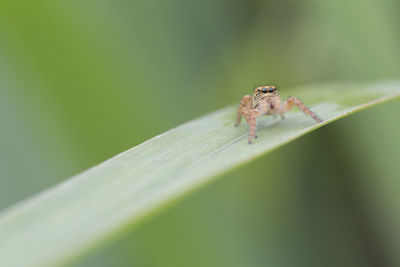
81	81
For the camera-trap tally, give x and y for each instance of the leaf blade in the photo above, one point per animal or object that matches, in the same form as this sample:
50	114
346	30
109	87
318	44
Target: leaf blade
65	221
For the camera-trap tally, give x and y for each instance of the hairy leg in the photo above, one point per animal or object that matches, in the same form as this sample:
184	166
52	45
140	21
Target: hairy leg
251	118
293	101
245	105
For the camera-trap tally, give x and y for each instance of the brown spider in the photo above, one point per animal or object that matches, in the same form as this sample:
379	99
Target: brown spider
266	101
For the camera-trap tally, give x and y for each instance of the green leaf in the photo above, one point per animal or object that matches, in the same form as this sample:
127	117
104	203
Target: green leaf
62	223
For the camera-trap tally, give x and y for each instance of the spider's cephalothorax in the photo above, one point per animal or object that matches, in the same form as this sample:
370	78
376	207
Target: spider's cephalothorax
266	101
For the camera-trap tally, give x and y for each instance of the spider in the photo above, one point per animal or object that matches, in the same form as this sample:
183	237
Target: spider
266	101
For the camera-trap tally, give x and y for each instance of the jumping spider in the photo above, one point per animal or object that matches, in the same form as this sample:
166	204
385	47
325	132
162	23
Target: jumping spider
266	101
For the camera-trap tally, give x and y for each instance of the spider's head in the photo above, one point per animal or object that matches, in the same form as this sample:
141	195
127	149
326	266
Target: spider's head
269	90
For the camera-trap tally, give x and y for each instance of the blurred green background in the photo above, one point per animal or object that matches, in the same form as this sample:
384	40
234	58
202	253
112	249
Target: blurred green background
81	81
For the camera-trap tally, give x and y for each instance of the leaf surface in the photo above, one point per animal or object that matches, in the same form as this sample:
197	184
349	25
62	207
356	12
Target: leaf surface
63	222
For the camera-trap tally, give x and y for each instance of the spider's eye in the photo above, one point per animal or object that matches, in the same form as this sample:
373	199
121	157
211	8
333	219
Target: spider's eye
265	90
271	90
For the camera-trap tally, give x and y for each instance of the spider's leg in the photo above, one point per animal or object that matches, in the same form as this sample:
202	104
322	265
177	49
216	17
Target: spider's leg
245	105
251	117
293	101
